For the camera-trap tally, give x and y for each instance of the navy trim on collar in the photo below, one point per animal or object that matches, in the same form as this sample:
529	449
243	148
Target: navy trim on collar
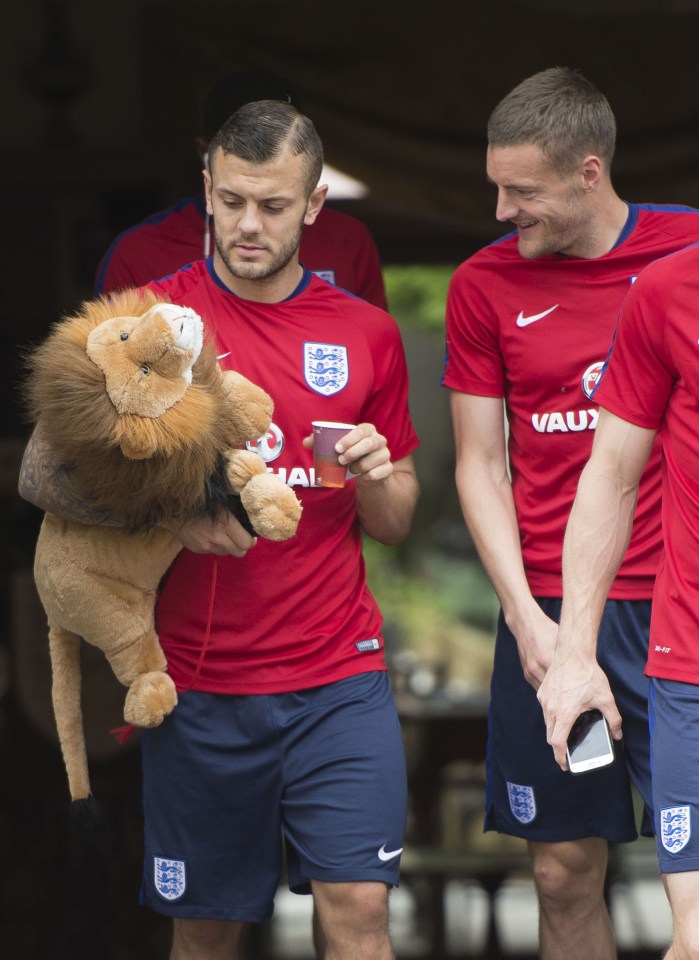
631	221
301	286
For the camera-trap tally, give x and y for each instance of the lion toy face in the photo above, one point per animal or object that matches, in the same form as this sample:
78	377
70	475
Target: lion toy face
147	361
129	391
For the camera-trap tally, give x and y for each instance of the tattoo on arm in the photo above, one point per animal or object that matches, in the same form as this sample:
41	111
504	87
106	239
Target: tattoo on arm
47	483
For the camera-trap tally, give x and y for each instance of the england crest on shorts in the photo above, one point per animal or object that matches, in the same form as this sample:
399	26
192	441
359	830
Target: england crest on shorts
522	802
169	878
326	367
675	828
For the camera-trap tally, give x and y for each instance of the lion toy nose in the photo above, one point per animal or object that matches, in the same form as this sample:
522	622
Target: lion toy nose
186	325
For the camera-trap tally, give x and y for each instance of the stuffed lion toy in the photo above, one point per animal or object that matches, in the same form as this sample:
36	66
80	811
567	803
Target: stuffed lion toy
130	395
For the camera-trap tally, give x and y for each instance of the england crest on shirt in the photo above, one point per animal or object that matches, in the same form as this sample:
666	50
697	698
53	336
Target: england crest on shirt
169	877
522	802
675	828
326	367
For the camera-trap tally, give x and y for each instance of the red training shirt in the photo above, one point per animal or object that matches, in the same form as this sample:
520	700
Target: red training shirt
299	613
537	332
652	380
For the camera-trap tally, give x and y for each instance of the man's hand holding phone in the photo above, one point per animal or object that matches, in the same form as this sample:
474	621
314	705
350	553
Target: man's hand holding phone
574	685
589	743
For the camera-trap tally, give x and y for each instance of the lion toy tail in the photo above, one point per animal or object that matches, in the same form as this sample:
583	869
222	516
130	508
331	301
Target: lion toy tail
66	689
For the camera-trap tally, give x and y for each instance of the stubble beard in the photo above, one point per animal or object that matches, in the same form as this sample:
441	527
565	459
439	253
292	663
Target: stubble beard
569	230
557	241
257	271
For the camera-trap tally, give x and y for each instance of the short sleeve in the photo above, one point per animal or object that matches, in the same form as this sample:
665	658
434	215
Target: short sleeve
639	374
473	360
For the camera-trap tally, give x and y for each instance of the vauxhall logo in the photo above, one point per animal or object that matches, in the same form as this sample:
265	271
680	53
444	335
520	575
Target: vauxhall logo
570	422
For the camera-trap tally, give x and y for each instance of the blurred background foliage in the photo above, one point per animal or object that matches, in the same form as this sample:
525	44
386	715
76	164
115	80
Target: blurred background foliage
417	294
438	604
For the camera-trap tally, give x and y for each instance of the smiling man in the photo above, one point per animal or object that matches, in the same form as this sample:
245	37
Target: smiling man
530	320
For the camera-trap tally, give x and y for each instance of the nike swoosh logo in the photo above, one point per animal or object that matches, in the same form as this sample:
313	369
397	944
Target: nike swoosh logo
523	321
385	854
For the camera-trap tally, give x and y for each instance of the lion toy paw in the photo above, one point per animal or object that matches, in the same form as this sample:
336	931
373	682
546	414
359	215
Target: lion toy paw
272	508
150	698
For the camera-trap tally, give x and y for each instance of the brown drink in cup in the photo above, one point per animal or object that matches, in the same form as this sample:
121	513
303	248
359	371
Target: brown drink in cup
329	472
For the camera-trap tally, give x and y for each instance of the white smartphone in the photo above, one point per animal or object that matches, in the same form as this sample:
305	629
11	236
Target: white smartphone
589	743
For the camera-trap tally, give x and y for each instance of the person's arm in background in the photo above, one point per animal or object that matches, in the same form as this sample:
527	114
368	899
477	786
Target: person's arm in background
370	282
487	503
343	243
596	539
115	271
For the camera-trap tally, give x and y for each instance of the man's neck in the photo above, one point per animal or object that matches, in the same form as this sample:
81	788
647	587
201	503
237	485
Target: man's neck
605	229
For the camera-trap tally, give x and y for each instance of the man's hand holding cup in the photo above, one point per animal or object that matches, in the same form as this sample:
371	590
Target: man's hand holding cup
342	451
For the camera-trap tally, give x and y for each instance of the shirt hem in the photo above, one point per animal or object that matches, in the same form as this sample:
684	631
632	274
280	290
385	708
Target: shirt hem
294	685
639	590
678	676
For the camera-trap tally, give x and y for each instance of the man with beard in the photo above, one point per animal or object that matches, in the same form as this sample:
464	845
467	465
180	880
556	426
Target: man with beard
286	723
337	247
529	324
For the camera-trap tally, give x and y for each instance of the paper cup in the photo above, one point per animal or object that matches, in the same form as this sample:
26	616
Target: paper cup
329	472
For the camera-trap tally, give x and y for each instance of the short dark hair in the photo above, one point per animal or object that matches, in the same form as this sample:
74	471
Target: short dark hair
559	111
262	130
233	91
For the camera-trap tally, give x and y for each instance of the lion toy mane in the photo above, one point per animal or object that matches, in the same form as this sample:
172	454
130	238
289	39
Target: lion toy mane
130	395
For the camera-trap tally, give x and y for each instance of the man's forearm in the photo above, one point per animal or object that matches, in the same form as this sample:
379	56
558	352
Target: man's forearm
596	540
487	503
595	543
46	482
488	508
599	529
386	508
597	536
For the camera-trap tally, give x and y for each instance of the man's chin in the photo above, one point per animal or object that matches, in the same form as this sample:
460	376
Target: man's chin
527	249
532	248
249	271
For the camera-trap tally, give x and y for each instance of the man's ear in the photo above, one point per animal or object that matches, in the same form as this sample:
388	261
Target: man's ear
592	170
207	191
315	203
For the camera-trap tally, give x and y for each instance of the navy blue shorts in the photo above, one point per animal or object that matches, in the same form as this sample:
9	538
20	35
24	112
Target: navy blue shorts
225	778
674	724
528	795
